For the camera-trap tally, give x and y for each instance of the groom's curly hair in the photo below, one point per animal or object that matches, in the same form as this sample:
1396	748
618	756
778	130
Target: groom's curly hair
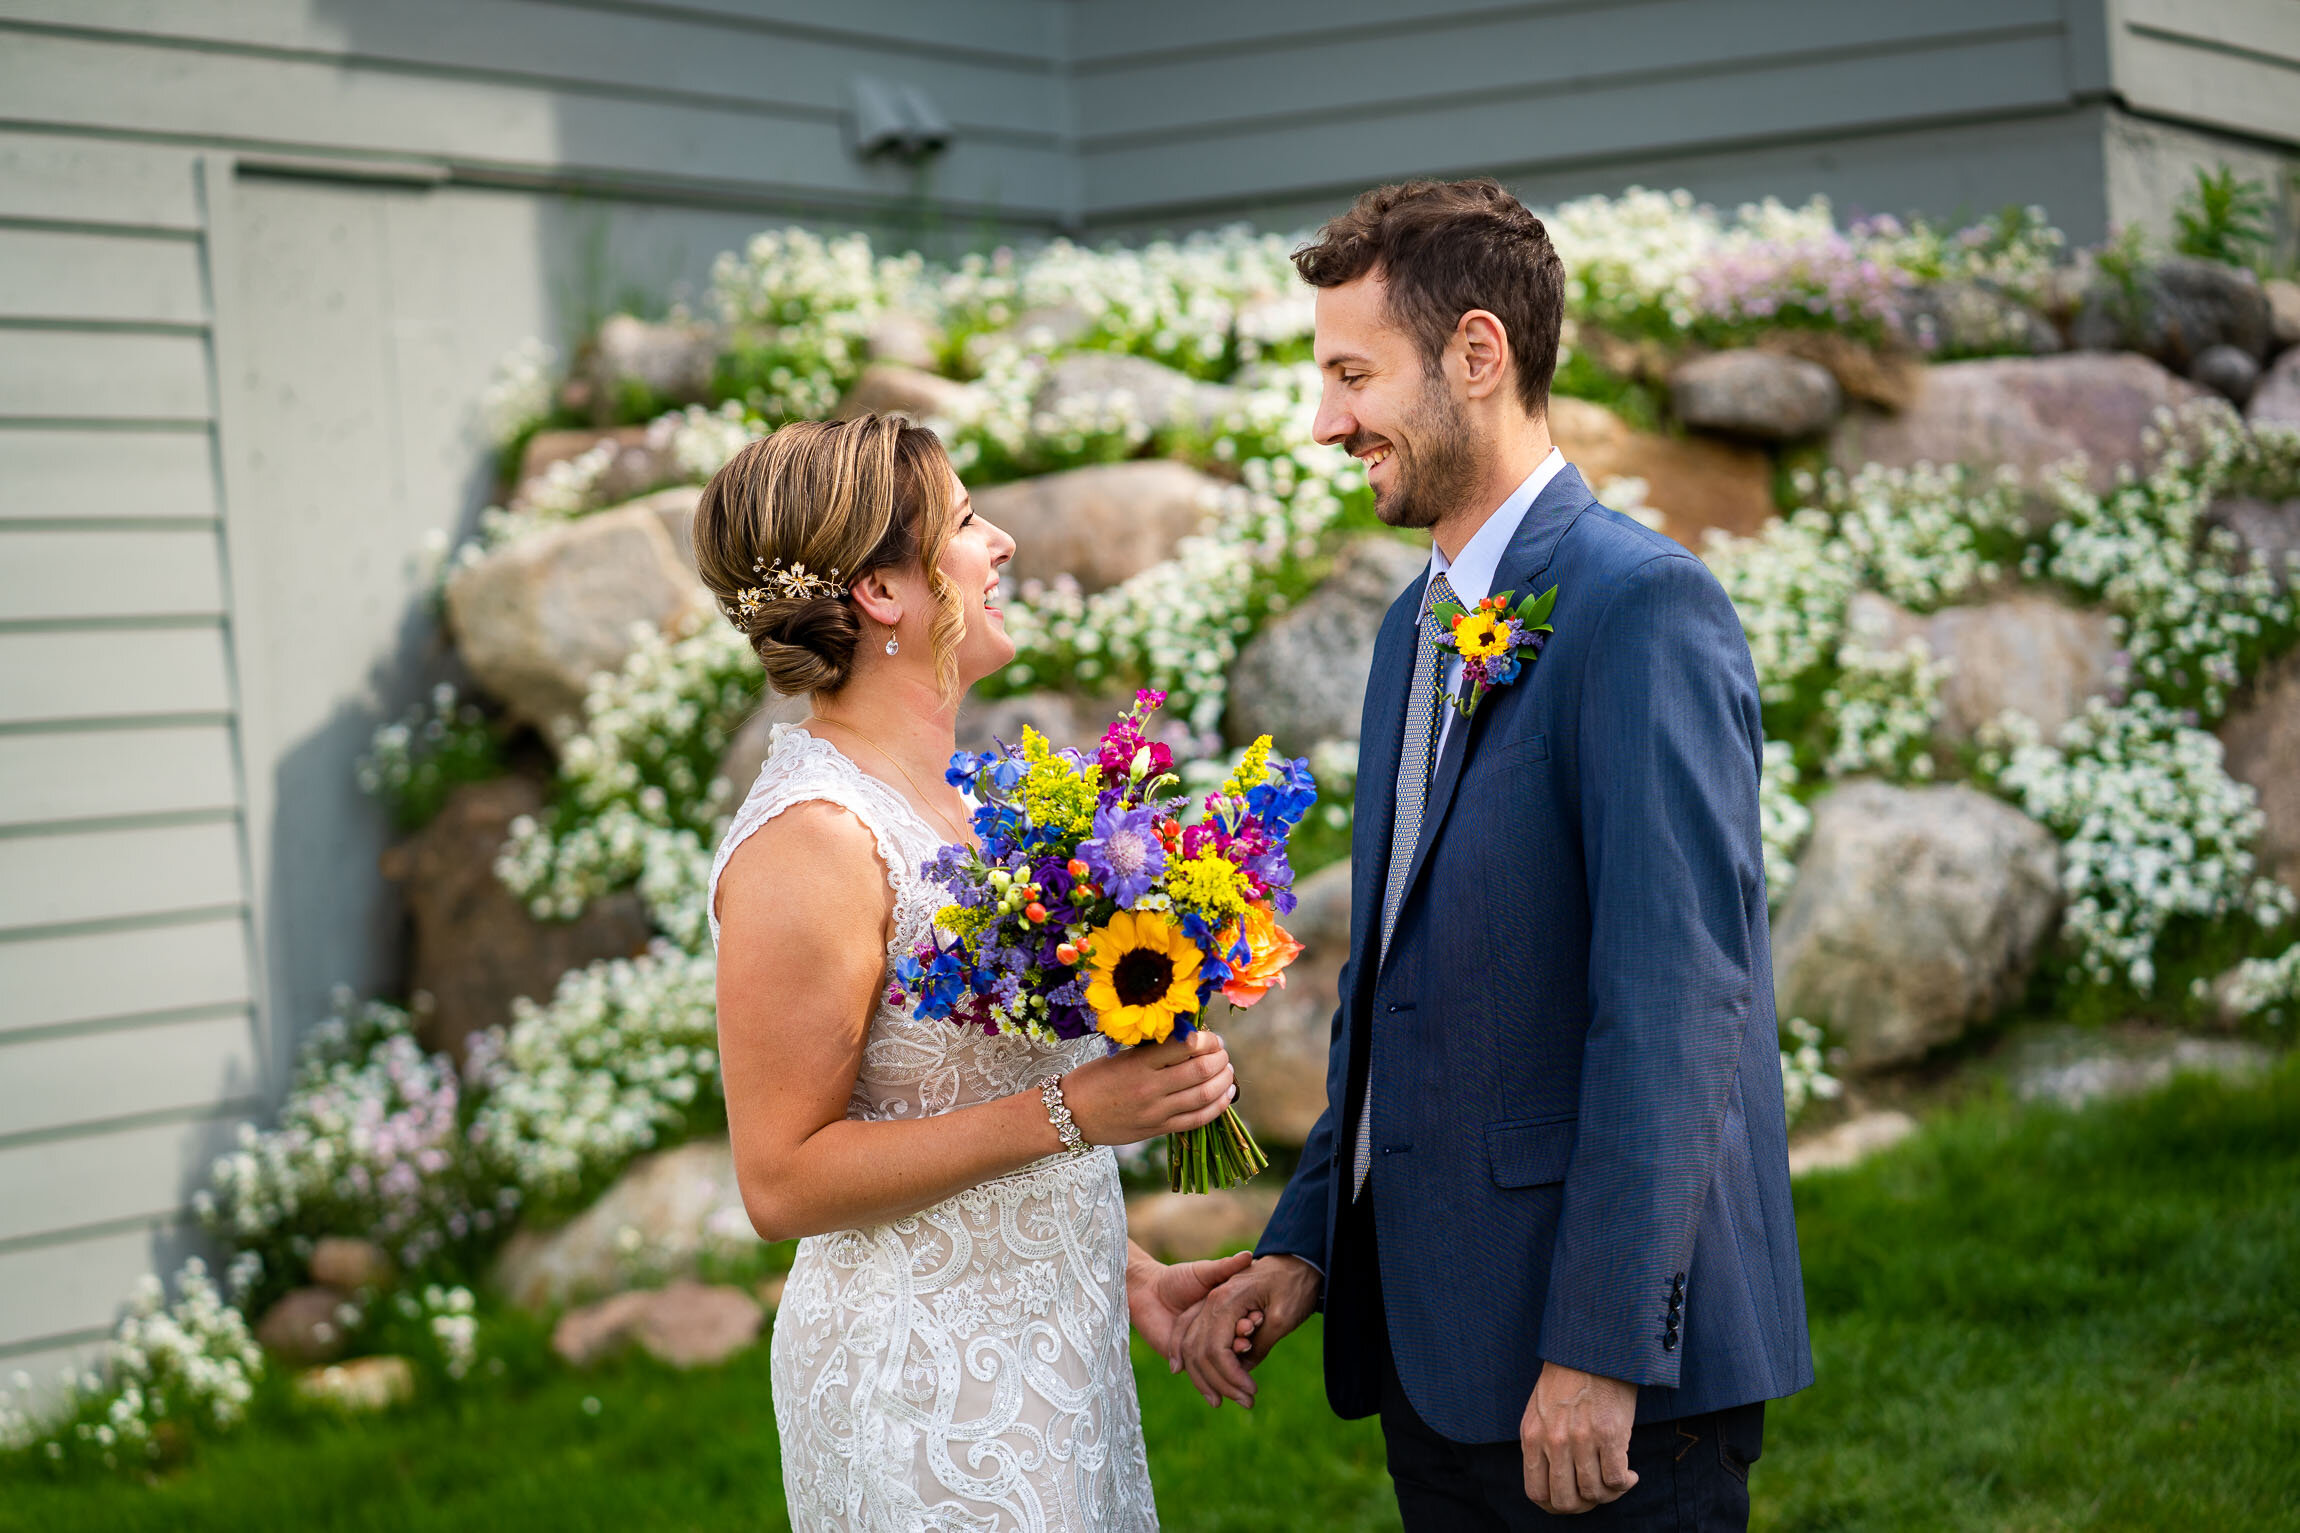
1445	248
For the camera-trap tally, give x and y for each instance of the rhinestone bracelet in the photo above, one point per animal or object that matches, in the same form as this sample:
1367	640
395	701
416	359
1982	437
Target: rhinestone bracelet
1050	1092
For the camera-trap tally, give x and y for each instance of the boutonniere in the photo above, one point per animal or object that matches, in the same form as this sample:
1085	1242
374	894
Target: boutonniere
1493	641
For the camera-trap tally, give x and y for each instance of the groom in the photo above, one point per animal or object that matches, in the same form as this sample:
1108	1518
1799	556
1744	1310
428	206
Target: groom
1546	1210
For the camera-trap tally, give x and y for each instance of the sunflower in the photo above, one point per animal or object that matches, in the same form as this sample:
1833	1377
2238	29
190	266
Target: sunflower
1481	635
1141	973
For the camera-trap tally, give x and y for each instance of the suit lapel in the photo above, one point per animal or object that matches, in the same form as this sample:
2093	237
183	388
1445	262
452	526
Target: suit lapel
1381	734
1546	520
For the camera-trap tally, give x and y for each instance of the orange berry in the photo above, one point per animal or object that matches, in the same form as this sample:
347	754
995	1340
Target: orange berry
1034	912
1077	868
1066	953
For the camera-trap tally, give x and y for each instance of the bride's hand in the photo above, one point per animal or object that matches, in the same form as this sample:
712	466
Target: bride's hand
1162	1298
1141	1093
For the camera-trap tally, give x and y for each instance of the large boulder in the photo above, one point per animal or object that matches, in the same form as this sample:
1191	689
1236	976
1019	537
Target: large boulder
1695	483
2266	531
2276	398
1917	912
363	1384
905	339
537	618
675	508
685	1324
1064	719
1102	524
1092	385
1302	679
2179	309
888	388
1964	319
658	1220
2228	372
739	763
307	1325
2072	1065
1850	1142
1756	394
2027	651
2028	413
1190	1226
473	947
1884	376
557	473
2283	312
650	363
348	1264
2261	736
1278	1044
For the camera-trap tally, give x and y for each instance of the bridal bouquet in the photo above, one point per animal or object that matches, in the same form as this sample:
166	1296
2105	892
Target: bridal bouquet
1097	903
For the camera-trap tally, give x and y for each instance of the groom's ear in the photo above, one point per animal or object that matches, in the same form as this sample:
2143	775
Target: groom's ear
1483	342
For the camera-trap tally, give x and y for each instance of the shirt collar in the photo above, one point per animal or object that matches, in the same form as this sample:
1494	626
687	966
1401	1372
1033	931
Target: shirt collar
1472	574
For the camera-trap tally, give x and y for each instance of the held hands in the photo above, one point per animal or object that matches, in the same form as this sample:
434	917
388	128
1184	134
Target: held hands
1576	1439
1162	1298
1141	1093
1238	1324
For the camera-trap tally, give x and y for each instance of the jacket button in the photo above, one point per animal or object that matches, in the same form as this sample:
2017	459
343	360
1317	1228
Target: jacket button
1669	1342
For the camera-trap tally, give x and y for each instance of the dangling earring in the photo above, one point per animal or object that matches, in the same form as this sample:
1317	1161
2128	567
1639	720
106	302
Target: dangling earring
892	644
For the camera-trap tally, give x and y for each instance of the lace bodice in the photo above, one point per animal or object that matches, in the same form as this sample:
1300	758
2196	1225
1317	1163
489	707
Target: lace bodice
912	1066
964	1368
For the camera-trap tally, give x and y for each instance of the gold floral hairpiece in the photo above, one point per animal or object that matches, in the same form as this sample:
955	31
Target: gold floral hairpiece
794	582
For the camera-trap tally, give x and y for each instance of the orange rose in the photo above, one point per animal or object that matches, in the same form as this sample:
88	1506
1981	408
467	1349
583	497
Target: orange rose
1269	949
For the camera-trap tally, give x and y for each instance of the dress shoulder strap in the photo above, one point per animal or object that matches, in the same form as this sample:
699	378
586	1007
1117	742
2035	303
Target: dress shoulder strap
801	768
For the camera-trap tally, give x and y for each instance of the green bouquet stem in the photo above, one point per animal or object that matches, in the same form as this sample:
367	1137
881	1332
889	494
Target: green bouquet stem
1217	1155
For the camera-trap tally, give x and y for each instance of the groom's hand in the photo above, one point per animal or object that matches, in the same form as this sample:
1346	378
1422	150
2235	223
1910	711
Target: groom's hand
1241	1320
1162	1298
1576	1439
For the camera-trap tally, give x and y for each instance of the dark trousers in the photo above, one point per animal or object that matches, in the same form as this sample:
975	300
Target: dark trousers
1692	1473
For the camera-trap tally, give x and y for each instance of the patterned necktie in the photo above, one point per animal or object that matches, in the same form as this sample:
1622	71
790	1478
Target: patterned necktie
1415	753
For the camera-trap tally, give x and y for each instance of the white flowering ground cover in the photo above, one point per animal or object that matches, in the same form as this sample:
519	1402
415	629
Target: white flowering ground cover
378	1138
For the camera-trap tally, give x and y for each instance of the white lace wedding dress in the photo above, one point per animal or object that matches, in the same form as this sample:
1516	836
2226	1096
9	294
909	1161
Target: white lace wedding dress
966	1367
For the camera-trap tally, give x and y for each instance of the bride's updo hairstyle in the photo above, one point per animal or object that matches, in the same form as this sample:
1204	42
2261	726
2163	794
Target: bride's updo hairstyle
840	499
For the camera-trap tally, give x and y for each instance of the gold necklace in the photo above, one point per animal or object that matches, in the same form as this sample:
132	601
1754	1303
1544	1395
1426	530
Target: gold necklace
963	838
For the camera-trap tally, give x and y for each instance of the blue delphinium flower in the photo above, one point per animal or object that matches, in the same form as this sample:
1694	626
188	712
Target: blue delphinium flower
939	984
1124	855
1280	805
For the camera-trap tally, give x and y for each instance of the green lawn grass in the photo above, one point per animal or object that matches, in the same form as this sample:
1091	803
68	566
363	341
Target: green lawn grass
2022	1319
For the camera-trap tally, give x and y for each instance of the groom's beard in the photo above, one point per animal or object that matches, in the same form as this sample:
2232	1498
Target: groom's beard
1438	474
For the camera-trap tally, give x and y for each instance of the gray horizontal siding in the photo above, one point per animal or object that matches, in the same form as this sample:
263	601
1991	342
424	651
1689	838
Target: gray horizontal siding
773	70
484	128
149	474
90	979
1591	121
189	1066
75	180
2229	64
128	1176
52	677
50	1286
1422	58
88	774
128	1041
72	877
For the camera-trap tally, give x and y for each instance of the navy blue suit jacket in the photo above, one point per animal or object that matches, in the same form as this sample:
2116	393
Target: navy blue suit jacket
1579	1149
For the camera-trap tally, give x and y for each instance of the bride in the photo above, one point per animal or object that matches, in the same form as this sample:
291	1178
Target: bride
950	1352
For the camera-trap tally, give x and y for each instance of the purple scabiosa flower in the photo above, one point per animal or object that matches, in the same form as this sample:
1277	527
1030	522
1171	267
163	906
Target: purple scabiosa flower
1124	855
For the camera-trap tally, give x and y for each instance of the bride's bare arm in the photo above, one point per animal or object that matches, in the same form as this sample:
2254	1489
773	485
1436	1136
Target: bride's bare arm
805	914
